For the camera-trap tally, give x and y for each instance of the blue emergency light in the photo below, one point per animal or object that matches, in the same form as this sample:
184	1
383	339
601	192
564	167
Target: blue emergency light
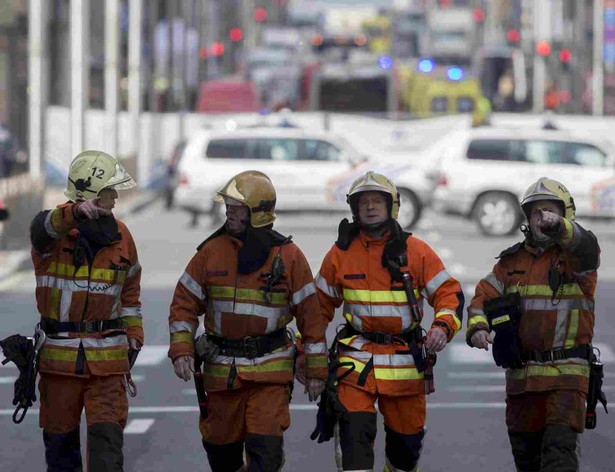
426	65
385	62
454	73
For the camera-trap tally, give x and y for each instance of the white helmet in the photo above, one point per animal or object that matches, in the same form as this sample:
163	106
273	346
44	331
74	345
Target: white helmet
92	171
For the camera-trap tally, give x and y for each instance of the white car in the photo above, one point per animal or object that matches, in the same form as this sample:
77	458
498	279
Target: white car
310	171
483	173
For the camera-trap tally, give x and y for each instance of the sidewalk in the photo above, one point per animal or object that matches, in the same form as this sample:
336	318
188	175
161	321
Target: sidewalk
129	203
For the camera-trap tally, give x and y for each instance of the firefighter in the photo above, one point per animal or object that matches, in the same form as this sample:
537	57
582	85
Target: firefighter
249	282
87	292
380	347
539	300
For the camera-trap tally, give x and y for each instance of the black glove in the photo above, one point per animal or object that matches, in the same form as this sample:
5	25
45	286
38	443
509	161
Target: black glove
325	423
504	314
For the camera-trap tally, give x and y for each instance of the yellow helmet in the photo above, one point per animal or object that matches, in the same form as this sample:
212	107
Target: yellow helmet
372	181
92	171
254	189
549	189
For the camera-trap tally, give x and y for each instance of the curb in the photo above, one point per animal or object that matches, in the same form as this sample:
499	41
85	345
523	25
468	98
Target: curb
19	260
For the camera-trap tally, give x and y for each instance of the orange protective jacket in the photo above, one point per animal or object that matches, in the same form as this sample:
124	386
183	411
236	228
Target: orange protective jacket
549	320
373	303
108	289
236	307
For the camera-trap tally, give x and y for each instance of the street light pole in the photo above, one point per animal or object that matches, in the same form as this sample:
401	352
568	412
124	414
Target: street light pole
79	22
134	86
112	53
598	65
37	96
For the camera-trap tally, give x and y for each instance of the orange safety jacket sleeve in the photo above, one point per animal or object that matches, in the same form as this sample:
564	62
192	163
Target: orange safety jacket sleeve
330	295
443	292
189	301
580	244
306	310
131	295
488	288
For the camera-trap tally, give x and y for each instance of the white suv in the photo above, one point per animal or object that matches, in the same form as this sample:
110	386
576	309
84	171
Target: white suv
483	173
307	169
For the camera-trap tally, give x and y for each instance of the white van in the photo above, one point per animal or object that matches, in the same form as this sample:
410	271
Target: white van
302	165
483	173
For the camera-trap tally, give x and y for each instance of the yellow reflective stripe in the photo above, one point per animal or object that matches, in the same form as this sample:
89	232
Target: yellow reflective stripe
573	329
275	366
54	303
217	370
378	296
108	275
59	354
449	312
545	290
132	321
312	362
277	298
568	232
98	355
403	373
67	269
472	320
182	337
536	370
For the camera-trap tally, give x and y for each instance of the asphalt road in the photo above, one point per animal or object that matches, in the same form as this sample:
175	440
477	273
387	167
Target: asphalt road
465	421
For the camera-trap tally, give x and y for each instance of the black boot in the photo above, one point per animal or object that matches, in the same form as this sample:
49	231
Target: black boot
105	441
224	457
357	435
559	449
265	453
63	451
403	450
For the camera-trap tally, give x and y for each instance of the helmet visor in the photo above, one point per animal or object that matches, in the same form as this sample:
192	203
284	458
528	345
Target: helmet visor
121	179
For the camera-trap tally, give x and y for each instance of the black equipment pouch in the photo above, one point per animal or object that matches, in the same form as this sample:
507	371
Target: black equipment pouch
504	315
594	393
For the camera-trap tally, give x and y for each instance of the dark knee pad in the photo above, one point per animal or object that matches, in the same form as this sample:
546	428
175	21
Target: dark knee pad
224	457
357	435
559	449
63	451
403	450
265	452
105	442
526	450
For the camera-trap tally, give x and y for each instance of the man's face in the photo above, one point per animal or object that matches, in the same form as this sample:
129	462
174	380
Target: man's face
540	210
237	216
372	208
106	198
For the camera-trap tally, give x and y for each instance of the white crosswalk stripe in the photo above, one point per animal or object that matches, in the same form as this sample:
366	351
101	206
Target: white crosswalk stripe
152	355
139	426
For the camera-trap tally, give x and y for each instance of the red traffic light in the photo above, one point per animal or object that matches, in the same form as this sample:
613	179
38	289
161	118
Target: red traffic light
513	36
260	14
235	34
543	48
478	14
565	55
445	3
217	49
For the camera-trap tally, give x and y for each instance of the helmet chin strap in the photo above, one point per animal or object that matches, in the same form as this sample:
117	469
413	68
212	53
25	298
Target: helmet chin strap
374	227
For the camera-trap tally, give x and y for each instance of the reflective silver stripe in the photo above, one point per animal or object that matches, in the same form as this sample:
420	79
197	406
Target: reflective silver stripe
272	314
239	361
98	288
545	304
355	321
322	284
315	348
131	311
378	310
72	343
192	285
115	309
476	311
49	227
436	282
110	341
177	326
491	279
380	360
65	302
133	270
306	291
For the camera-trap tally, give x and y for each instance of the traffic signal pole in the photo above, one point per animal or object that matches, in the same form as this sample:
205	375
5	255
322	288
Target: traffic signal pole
598	65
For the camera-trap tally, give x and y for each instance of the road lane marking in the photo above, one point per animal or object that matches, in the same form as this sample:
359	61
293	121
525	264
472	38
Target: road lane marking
152	355
459	353
139	426
477	388
606	352
7	380
476	375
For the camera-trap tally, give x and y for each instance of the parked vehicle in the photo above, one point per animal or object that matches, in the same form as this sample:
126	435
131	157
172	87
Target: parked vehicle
484	172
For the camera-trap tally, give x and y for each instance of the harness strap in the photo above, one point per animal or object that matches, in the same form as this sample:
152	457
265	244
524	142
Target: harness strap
252	346
54	327
581	351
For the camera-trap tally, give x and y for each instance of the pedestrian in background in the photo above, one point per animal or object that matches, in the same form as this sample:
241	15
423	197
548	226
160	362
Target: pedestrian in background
539	300
88	296
11	154
382	347
249	281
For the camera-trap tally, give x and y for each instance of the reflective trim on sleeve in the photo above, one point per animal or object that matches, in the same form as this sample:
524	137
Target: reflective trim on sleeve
475	319
133	270
323	285
49	227
315	348
177	326
546	291
182	337
444	312
436	282
492	280
192	286
300	295
131	311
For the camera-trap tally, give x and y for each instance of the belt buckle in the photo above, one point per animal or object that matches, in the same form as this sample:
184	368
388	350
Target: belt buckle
548	356
250	347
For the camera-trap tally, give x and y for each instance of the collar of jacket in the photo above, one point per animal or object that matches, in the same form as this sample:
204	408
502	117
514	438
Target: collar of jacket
366	240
